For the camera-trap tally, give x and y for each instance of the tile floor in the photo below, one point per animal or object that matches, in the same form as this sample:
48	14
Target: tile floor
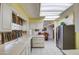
49	49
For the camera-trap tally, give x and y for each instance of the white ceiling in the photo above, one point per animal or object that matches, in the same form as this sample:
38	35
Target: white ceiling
52	11
32	8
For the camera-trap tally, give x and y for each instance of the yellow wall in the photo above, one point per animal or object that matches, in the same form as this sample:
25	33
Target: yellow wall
77	40
35	20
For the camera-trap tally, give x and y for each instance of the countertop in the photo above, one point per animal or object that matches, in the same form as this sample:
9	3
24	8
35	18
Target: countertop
38	35
14	47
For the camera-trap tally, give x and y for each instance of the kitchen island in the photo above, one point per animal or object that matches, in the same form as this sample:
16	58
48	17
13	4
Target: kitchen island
38	41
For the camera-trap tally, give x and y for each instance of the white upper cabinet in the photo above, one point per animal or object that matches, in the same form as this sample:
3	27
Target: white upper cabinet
6	22
0	18
6	17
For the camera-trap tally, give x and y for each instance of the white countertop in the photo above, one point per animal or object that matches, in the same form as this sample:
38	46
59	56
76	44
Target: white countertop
38	35
14	47
71	52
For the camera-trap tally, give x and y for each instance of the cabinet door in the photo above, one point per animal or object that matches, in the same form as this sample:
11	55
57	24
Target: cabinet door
0	18
24	27
6	17
23	53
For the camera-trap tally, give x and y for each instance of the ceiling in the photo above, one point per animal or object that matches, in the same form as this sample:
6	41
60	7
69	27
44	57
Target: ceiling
33	9
52	11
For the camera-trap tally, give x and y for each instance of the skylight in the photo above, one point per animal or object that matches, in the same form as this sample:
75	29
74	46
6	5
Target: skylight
51	11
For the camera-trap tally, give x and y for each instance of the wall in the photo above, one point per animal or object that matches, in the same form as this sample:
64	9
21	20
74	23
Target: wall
55	26
38	25
35	23
47	23
67	21
77	40
35	20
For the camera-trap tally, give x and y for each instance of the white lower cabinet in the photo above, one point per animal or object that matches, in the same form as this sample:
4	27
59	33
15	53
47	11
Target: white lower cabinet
26	50
29	47
23	51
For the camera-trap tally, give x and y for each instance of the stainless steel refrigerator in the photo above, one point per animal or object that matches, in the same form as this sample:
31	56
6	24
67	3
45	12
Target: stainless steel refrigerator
65	37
